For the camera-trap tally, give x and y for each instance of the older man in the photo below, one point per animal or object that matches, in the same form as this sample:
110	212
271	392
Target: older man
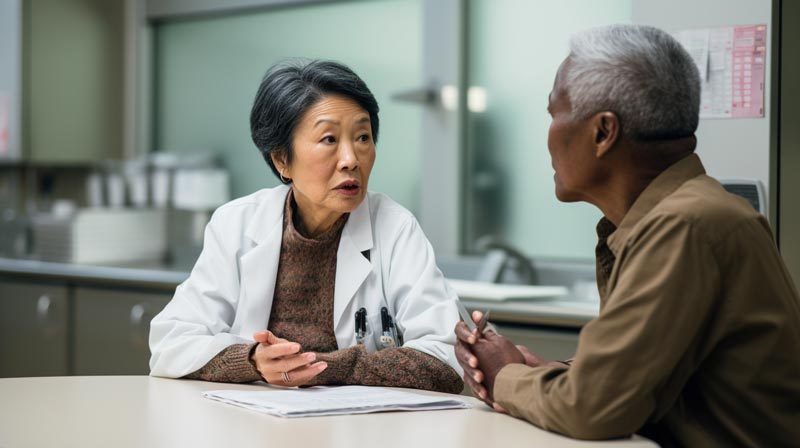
698	338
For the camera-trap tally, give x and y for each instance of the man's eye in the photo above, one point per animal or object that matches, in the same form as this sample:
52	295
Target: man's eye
364	138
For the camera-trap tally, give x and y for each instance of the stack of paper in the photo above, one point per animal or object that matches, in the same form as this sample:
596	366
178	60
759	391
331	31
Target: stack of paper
319	401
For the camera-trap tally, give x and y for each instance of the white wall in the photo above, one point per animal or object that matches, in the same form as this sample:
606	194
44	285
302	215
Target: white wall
729	148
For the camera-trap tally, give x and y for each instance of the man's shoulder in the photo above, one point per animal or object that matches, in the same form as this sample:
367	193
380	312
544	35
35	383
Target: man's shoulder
707	207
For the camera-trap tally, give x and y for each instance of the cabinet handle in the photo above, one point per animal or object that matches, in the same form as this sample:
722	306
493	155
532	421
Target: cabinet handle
141	314
47	316
137	313
43	308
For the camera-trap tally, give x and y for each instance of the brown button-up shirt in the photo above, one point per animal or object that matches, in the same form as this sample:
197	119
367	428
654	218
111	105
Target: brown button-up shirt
698	338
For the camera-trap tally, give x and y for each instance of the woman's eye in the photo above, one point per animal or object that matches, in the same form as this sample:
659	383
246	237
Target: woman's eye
364	138
329	139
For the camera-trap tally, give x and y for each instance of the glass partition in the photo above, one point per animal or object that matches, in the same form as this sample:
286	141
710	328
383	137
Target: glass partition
207	71
514	50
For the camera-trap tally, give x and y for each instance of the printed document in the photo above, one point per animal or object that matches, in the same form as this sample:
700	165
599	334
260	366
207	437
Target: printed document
339	400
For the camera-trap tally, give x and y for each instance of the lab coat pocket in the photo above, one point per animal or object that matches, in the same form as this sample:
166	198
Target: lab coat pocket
372	341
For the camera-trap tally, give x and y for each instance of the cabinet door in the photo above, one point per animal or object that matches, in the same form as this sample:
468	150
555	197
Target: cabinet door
551	344
75	43
112	330
33	329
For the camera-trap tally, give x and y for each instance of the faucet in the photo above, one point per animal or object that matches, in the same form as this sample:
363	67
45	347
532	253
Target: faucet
501	256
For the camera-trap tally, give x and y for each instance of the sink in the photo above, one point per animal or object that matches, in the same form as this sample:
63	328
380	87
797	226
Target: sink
575	277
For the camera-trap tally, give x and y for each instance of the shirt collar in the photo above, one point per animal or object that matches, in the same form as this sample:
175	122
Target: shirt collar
661	187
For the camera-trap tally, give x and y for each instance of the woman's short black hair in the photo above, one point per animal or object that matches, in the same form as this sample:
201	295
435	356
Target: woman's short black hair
289	89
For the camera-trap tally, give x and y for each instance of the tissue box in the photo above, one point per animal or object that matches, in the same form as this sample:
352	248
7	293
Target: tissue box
102	235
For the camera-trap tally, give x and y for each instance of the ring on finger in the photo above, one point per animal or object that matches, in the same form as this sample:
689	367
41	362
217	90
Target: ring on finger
285	377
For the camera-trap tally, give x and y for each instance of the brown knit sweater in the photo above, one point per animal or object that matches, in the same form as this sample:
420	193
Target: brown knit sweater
302	311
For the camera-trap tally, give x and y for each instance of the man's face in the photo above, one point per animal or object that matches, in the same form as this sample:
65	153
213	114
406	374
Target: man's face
570	143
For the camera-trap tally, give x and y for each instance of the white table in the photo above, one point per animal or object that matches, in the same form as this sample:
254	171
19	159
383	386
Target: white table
139	411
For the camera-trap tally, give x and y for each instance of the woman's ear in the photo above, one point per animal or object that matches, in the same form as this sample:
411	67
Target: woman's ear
279	160
606	132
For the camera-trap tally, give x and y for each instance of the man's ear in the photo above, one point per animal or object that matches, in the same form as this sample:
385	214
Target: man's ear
606	132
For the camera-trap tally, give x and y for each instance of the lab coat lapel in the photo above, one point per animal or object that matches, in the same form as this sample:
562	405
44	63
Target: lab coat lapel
352	267
260	264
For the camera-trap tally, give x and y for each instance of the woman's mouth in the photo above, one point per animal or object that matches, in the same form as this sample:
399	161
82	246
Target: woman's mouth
348	188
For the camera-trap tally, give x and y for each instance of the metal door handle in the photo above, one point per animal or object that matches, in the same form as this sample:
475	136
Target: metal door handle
43	308
47	316
141	314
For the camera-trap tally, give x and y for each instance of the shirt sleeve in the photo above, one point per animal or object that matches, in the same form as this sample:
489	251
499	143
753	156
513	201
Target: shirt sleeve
231	365
393	367
627	357
196	324
423	303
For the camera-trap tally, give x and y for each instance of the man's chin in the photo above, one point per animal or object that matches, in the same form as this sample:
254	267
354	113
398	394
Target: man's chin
566	196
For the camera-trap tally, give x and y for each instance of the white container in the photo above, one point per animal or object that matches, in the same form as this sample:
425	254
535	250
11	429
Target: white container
136	181
102	235
115	190
159	187
200	189
94	190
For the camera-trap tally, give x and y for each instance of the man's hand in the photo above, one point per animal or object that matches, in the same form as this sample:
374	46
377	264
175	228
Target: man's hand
493	353
473	376
534	360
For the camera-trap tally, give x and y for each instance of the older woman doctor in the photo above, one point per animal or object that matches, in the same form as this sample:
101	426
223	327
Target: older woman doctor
292	266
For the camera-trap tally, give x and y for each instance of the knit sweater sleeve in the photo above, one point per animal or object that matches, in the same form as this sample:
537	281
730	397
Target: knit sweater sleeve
231	365
395	367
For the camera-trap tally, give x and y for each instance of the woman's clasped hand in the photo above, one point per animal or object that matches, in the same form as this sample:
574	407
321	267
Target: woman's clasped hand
282	362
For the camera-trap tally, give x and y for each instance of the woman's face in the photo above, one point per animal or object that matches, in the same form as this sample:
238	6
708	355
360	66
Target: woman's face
332	159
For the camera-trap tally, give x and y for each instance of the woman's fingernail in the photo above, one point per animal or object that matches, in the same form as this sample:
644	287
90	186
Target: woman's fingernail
323	366
309	356
482	394
475	377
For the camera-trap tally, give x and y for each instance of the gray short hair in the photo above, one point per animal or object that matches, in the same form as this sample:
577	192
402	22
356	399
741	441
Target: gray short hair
640	73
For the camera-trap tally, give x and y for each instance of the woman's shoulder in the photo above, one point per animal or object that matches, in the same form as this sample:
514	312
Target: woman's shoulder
246	207
382	206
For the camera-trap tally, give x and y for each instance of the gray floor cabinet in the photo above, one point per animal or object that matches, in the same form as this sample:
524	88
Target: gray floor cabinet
33	329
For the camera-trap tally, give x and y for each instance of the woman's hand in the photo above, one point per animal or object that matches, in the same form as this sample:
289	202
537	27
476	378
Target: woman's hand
280	362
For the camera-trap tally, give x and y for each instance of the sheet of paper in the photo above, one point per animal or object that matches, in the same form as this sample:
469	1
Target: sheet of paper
733	75
340	400
471	290
696	44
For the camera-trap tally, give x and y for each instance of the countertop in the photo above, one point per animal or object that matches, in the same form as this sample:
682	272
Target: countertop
147	274
138	411
562	312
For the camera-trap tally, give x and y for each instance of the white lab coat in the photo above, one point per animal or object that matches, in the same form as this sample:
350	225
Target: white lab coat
228	295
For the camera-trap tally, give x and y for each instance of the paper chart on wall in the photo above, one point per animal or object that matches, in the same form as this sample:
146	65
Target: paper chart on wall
732	62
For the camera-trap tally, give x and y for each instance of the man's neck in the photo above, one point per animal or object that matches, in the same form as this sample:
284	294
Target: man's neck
634	169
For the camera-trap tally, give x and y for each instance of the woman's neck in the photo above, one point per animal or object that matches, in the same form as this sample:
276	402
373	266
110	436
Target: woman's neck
311	221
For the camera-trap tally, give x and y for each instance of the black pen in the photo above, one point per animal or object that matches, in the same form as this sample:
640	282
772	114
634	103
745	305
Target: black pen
388	337
361	325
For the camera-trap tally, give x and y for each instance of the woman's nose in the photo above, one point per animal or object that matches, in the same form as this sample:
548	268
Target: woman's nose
348	160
